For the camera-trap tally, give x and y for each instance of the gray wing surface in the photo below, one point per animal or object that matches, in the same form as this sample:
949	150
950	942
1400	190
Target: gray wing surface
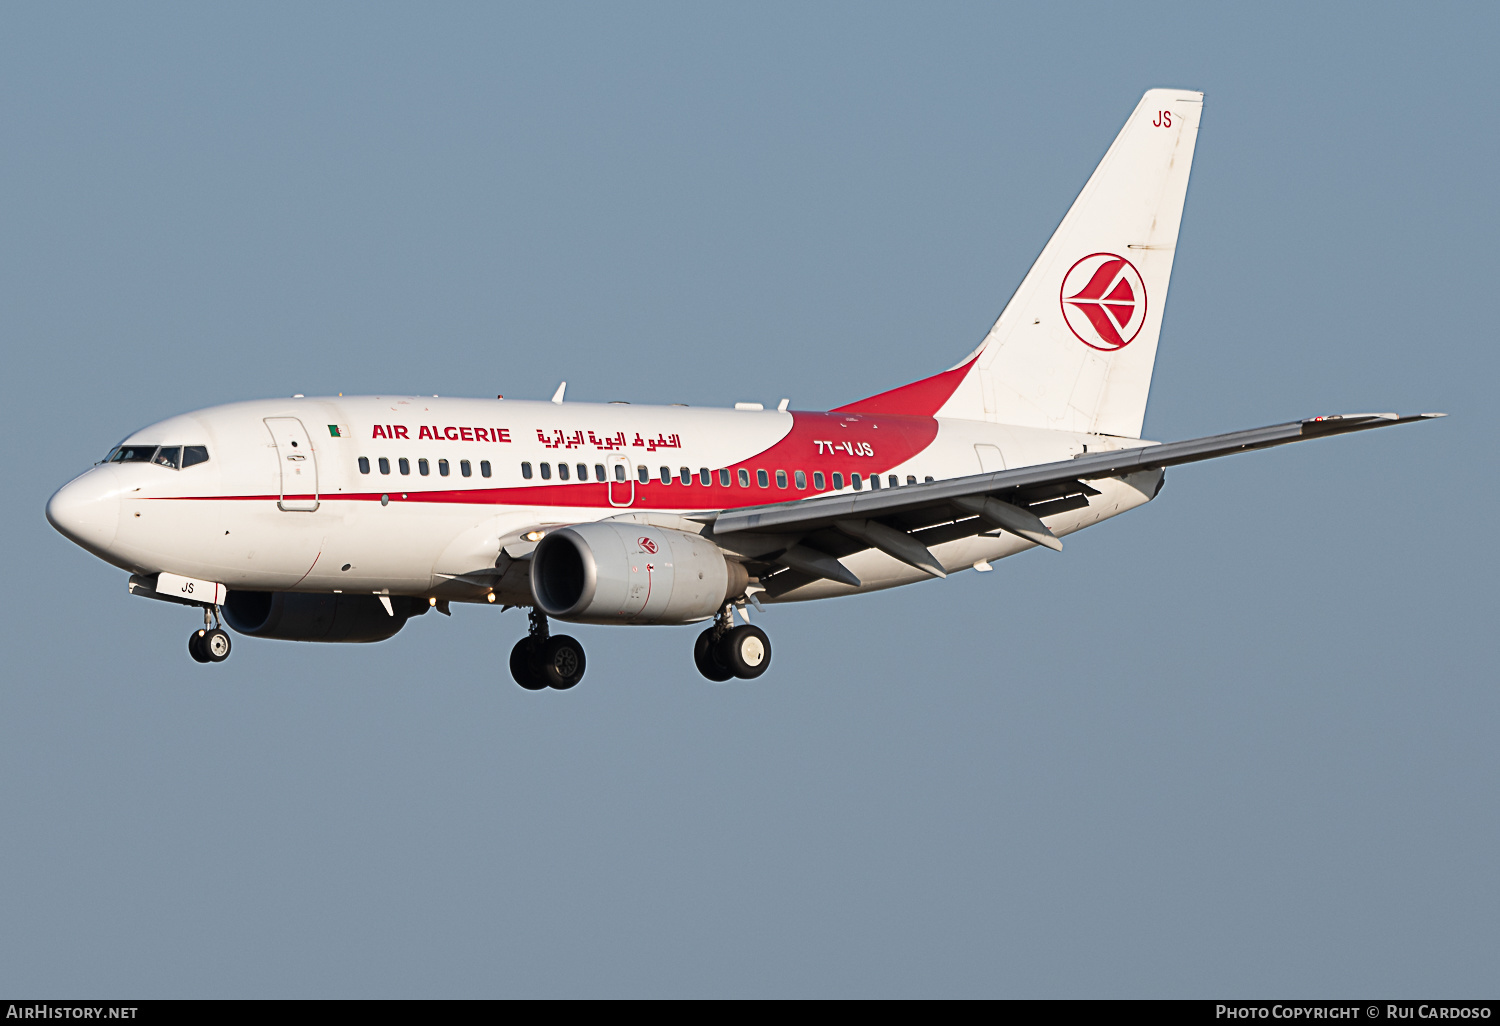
814	533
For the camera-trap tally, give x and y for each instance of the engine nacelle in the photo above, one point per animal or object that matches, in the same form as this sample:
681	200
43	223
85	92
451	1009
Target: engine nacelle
612	572
295	616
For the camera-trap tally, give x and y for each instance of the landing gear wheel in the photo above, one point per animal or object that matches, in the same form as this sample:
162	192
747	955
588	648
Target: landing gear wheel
215	645
195	646
561	662
521	666
703	656
745	650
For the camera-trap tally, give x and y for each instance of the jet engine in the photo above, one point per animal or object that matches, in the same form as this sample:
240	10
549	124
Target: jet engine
612	572
295	616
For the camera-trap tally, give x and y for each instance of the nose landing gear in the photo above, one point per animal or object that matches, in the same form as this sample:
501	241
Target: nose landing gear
541	661
725	651
209	644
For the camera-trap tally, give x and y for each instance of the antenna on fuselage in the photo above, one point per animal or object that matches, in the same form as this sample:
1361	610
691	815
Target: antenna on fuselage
557	396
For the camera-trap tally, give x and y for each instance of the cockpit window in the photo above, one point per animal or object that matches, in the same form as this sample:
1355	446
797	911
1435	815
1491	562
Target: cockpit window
134	454
173	456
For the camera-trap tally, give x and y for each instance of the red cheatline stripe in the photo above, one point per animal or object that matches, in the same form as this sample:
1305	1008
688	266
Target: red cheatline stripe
581	496
918	399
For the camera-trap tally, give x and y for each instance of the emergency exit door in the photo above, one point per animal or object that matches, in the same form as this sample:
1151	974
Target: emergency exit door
298	465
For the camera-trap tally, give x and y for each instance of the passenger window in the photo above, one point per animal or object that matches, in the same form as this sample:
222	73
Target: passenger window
546	472
685	476
644	474
484	468
666	475
583	471
599	474
763	479
818	480
619	471
894	481
854	482
465	469
780	479
874	482
423	467
404	464
525	471
800	478
364	464
838	482
168	456
705	477
562	471
385	465
927	480
443	469
744	478
192	455
134	454
911	479
724	477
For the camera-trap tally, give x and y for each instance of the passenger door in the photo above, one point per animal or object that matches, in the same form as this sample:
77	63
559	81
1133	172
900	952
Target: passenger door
298	463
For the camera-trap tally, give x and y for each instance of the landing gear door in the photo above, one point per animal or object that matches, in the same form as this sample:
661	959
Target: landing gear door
298	465
621	482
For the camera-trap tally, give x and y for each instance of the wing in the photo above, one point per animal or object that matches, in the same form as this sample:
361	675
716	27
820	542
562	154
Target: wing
814	533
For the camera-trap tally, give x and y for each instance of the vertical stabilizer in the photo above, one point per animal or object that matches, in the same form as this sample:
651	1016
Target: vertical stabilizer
1076	344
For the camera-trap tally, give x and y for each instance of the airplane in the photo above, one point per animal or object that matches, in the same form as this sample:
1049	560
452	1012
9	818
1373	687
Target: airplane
337	519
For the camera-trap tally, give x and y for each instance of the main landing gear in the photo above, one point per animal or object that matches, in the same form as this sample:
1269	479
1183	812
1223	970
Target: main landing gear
210	643
725	651
539	661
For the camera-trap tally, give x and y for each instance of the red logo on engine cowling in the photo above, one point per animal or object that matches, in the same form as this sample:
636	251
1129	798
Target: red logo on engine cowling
1103	300
647	544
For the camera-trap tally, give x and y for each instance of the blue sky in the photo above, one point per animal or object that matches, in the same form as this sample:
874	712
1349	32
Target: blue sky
1237	743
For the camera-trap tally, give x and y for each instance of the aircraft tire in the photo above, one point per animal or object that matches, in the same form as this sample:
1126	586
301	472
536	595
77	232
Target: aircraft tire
561	662
746	651
195	648
704	658
521	666
215	644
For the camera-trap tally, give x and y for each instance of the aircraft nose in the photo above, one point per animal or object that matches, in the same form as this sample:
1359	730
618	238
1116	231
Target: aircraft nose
86	510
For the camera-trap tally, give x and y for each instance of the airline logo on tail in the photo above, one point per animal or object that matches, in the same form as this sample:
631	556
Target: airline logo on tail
1104	301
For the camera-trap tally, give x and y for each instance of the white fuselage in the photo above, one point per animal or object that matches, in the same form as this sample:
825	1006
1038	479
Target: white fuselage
402	495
